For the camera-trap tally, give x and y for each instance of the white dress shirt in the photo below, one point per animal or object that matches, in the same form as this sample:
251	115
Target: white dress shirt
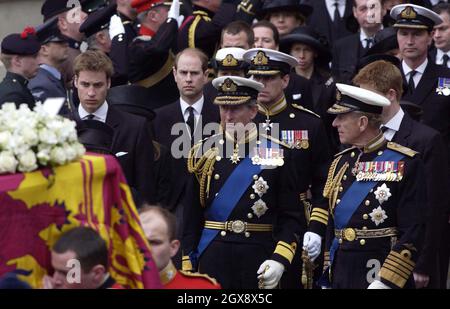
198	106
99	114
393	125
440	57
419	71
330	7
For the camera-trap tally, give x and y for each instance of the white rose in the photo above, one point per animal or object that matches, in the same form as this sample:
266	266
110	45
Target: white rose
79	148
5	139
71	152
47	136
27	162
43	155
8	107
30	137
8	162
58	156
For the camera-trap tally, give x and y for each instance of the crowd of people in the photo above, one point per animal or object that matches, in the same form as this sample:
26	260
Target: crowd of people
289	143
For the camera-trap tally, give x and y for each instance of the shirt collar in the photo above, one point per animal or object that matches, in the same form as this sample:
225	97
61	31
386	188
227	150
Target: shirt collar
100	113
394	122
420	69
440	54
198	105
52	70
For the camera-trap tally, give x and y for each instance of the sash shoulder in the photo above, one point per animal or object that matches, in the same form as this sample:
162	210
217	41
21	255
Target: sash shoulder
402	149
277	141
299	107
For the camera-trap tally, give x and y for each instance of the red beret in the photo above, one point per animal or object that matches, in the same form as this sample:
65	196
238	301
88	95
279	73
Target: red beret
144	5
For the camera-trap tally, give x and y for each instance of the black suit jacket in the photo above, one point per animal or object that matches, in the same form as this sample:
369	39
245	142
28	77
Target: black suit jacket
166	117
346	53
45	85
14	89
436	107
298	91
429	143
132	140
320	20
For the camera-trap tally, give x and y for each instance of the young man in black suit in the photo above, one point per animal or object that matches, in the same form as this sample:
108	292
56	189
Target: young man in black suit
179	125
131	143
385	78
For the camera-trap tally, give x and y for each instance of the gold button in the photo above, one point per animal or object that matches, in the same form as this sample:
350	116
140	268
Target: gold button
258	142
292	115
380	153
218	158
341	189
364	228
362	242
223	233
250	215
352	154
338	201
247	234
255	177
340	240
345	177
221	142
252	196
216	176
365	216
367	203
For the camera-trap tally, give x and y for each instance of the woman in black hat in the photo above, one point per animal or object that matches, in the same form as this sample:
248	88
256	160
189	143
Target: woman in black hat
313	54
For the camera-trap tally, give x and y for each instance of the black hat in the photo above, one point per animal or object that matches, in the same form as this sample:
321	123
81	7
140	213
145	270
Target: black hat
350	99
362	62
51	8
306	35
264	61
133	99
414	17
49	32
98	21
90	6
95	135
271	6
24	44
385	40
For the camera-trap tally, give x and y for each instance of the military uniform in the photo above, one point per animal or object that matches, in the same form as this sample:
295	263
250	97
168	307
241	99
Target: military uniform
152	59
14	89
244	205
173	279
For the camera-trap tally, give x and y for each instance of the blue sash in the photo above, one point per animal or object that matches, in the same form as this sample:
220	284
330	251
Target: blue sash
351	200
225	201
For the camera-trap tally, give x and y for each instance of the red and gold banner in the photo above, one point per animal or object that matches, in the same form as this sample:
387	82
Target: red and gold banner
35	208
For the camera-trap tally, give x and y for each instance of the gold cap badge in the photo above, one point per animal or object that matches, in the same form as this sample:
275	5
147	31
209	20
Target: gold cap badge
260	59
408	13
229	86
229	61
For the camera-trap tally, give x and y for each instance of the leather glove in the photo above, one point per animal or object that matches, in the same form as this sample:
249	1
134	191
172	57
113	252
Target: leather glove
115	26
270	273
174	12
377	284
312	243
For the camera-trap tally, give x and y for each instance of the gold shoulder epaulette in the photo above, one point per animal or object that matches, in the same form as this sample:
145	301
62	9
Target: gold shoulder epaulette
344	151
305	110
199	275
276	140
402	149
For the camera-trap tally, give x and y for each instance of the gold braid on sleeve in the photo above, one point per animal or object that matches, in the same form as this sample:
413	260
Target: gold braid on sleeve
328	184
335	187
203	168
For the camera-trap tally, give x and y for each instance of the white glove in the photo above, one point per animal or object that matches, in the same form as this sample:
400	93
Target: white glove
378	285
272	274
115	26
174	12
312	243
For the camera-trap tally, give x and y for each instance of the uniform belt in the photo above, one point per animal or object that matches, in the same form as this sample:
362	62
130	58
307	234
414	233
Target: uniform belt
350	234
238	226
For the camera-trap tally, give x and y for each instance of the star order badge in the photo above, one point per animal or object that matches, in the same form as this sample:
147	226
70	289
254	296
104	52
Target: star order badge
260	186
378	215
259	208
383	193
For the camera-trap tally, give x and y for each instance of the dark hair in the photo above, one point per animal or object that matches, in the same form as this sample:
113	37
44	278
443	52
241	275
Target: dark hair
239	26
441	8
268	24
95	61
89	247
167	216
194	52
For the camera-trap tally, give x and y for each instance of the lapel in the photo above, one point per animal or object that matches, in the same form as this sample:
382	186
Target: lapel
427	84
402	135
114	119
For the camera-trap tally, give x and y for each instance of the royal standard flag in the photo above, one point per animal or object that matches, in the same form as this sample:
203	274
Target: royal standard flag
36	207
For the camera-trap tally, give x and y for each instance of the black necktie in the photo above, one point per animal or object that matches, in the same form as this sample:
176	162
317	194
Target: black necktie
336	21
445	60
411	85
369	43
90	117
191	121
